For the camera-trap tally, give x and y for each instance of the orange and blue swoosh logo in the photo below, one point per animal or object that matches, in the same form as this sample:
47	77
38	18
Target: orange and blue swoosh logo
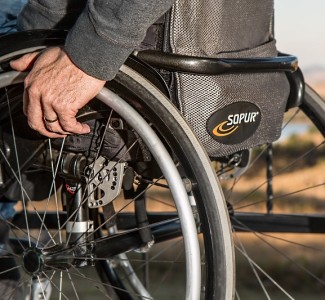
220	129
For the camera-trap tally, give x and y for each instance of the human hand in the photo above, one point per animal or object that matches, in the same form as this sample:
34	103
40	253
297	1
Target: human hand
55	89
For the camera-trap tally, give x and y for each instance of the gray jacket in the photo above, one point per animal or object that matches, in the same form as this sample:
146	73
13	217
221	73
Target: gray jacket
102	33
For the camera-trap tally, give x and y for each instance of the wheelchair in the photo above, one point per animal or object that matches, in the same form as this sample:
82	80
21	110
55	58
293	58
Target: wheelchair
137	209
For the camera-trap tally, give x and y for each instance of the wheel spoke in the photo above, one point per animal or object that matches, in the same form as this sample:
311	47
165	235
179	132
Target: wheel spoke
254	190
19	285
300	266
52	188
27	196
73	285
252	266
119	234
41	286
59	289
167	274
81	275
11	269
18	166
265	273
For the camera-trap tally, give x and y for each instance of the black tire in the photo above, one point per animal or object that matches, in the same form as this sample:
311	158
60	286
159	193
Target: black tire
191	160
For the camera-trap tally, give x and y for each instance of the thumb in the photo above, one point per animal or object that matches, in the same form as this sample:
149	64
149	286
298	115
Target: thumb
25	62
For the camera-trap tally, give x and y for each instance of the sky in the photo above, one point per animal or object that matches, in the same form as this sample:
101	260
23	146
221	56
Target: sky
300	30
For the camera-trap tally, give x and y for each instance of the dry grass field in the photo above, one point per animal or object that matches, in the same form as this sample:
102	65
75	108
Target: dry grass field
295	261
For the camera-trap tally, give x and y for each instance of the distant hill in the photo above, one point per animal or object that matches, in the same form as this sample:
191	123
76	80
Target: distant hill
315	74
315	77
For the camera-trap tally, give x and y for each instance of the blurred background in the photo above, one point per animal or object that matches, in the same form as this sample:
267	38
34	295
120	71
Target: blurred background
300	30
295	261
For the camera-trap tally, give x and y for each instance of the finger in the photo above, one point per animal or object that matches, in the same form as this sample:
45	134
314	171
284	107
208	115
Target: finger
47	133
44	131
25	62
71	125
34	113
52	124
51	119
55	127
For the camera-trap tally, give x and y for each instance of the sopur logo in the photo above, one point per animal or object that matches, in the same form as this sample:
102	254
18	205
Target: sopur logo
234	123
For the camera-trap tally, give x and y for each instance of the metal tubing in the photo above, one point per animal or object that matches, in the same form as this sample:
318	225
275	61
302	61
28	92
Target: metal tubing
217	66
175	183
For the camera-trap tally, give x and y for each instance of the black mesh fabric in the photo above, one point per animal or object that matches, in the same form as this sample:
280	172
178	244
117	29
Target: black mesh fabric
228	29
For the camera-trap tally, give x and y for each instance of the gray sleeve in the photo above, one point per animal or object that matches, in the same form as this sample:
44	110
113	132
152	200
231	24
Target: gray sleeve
105	33
49	14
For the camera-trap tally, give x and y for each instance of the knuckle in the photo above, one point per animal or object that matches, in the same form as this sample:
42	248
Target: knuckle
67	127
54	128
32	91
58	107
49	126
27	82
34	126
25	59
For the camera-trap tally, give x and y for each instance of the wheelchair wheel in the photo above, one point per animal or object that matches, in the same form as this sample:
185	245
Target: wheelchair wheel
276	196
132	210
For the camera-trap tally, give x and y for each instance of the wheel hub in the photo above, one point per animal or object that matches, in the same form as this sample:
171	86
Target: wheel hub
33	261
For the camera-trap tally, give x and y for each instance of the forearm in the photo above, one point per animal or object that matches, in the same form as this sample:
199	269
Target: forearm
103	33
107	32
